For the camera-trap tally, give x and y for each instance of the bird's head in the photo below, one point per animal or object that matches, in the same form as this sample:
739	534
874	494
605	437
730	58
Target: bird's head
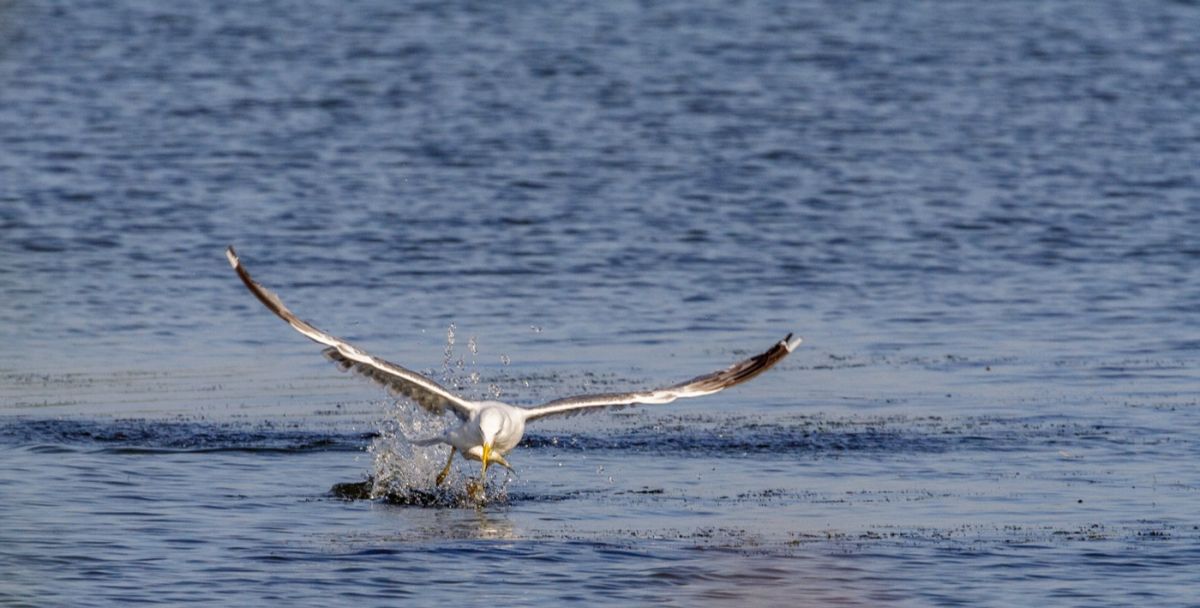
490	424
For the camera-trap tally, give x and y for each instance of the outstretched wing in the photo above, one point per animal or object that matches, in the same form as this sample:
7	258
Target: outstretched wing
696	387
396	379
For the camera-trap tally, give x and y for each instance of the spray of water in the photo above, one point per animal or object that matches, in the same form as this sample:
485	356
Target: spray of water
404	473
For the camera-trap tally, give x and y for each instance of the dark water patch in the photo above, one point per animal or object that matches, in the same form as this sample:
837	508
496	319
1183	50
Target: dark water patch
137	436
983	537
699	436
821	436
439	498
498	495
779	441
353	490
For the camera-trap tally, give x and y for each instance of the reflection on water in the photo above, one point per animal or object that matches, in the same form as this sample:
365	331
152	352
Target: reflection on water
461	524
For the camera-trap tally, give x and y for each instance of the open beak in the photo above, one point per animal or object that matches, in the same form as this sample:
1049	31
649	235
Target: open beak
487	455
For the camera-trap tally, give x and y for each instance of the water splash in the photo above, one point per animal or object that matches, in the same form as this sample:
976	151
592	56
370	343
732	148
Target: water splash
451	369
400	466
449	344
404	473
461	374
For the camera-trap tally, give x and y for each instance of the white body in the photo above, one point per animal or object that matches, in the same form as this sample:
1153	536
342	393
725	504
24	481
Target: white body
470	436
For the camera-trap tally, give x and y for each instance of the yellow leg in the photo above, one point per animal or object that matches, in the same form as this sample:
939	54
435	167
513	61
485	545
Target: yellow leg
441	478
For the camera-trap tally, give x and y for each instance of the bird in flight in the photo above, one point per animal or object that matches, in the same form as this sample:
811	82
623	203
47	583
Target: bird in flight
489	430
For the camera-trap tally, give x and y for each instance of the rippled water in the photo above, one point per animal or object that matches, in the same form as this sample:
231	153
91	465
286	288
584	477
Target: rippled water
981	217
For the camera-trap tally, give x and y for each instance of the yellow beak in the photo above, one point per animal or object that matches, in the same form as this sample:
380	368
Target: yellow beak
487	455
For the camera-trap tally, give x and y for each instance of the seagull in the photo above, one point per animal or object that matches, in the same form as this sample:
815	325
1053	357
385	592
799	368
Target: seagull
489	430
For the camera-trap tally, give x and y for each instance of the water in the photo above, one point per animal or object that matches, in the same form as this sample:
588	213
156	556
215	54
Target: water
981	217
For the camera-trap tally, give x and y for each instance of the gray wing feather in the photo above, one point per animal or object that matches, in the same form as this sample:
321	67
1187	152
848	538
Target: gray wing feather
398	380
696	387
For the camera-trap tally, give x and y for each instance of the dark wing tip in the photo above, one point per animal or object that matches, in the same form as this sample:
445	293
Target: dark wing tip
791	343
743	370
264	295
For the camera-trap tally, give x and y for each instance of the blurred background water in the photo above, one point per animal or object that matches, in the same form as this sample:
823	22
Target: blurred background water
981	217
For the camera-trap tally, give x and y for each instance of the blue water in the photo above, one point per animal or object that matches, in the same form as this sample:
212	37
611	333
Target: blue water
980	216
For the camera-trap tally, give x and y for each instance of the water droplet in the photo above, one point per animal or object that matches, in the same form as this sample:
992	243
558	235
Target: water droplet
473	345
536	329
449	350
505	359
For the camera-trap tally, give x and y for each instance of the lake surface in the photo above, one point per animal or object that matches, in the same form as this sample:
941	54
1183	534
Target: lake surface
981	217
